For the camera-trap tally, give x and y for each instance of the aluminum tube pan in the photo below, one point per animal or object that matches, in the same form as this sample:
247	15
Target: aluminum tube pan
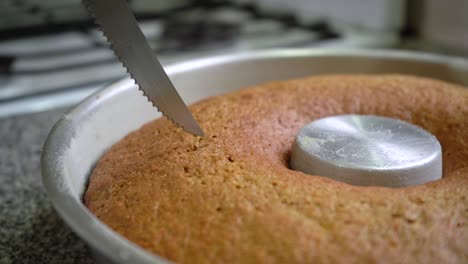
82	135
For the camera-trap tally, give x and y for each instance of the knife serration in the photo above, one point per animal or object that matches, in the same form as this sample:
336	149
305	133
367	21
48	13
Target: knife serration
120	27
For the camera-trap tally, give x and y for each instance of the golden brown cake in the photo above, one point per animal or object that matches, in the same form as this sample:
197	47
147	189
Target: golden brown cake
230	196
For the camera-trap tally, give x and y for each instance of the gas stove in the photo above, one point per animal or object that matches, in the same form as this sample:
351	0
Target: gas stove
61	59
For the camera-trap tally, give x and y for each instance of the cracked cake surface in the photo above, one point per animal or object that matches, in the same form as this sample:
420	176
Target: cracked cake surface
231	197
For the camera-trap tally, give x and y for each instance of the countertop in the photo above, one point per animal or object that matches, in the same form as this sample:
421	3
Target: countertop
30	229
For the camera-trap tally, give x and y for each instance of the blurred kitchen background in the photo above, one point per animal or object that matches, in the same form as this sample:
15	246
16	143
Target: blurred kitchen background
51	54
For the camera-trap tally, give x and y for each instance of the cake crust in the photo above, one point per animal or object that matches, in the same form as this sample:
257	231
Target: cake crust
231	197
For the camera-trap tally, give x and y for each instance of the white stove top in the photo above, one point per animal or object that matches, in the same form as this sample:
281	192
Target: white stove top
48	71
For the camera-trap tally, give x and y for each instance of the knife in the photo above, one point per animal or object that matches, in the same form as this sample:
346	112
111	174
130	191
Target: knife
121	29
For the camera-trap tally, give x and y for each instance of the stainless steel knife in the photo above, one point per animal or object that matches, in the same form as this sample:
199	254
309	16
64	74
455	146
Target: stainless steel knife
121	29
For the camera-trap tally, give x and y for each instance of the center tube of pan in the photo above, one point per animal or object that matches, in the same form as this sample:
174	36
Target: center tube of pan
367	150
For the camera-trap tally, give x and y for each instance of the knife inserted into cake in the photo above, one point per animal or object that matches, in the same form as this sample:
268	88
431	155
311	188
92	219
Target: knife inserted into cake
120	27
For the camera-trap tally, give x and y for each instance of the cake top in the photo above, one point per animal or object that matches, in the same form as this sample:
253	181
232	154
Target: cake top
231	197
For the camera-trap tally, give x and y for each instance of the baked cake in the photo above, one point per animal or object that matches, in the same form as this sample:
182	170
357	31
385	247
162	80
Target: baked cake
231	197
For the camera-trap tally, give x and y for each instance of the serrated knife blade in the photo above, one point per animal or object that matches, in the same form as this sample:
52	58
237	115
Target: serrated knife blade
121	29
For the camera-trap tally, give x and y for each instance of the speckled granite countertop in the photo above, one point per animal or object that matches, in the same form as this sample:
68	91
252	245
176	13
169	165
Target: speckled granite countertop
30	229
